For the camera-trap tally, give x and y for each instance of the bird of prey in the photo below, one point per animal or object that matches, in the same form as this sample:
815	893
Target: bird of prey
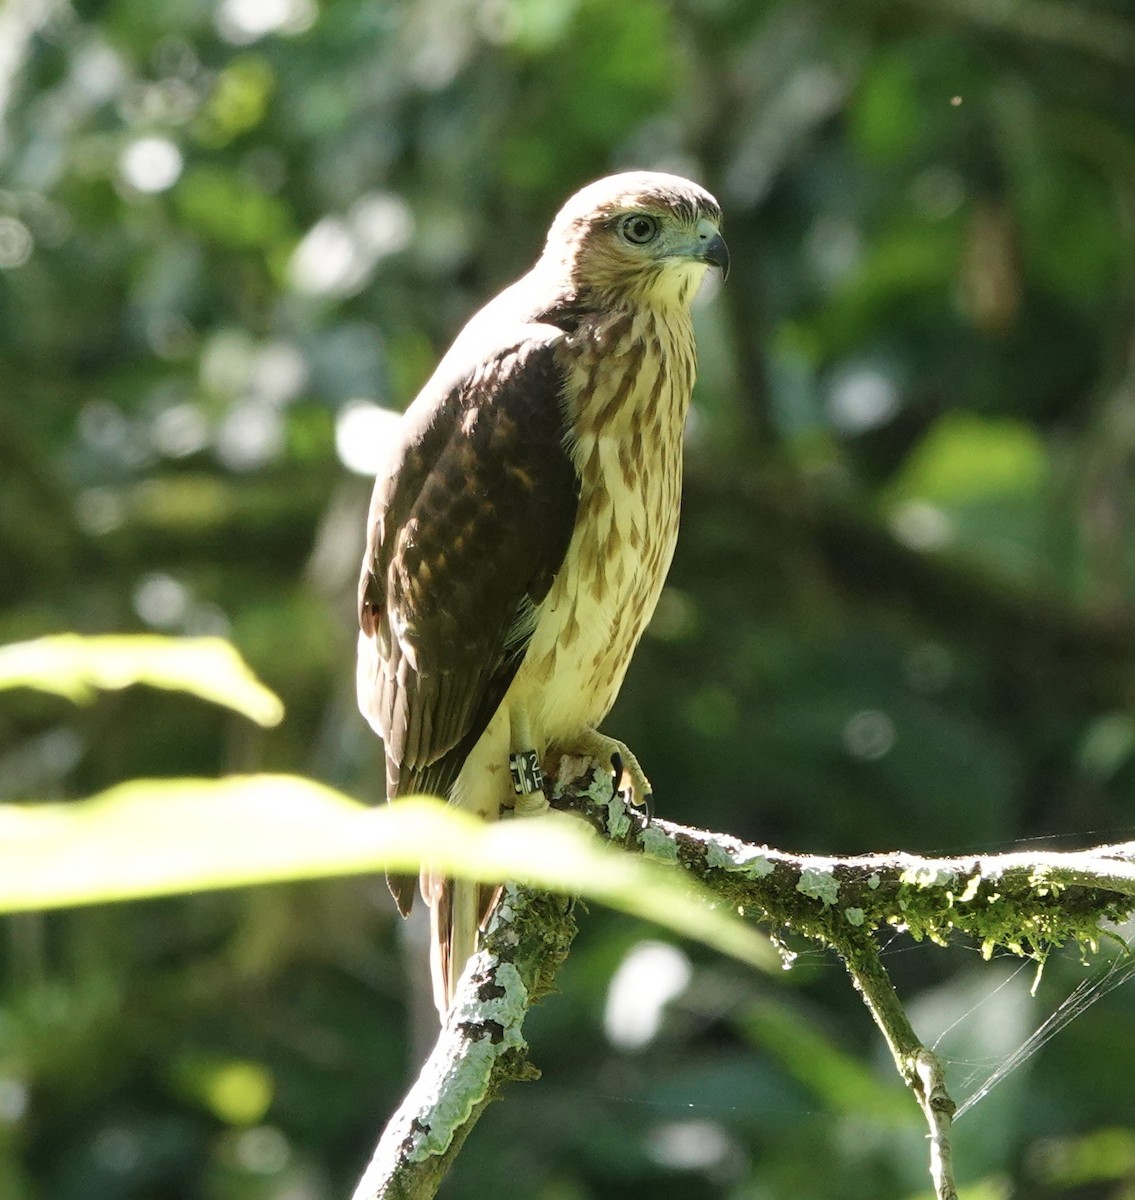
522	528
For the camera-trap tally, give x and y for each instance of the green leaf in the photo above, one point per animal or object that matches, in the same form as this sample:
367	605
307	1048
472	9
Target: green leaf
230	210
1096	1156
814	1059
885	119
966	457
238	101
74	666
161	837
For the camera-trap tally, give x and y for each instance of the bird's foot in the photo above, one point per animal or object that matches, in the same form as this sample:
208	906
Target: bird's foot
629	778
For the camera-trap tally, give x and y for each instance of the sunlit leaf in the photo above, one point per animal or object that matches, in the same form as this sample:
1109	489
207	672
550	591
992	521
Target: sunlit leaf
74	666
237	1091
966	457
161	837
238	102
228	210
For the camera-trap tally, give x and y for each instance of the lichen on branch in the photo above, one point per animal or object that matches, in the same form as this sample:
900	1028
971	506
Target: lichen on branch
1027	903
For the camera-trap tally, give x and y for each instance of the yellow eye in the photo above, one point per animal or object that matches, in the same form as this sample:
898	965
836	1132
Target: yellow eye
640	228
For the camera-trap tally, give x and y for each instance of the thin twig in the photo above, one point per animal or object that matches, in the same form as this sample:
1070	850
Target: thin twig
919	1067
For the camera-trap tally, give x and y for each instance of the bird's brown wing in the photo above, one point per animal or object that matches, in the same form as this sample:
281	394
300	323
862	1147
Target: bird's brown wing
467	532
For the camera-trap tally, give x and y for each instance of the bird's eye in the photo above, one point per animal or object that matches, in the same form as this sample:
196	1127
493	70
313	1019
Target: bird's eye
640	228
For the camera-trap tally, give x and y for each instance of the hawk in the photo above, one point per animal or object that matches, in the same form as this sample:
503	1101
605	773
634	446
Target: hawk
521	531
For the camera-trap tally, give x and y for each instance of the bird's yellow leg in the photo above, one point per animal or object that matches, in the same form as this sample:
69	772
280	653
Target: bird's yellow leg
524	764
630	779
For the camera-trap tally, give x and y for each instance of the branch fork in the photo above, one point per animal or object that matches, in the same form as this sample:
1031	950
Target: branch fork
1027	903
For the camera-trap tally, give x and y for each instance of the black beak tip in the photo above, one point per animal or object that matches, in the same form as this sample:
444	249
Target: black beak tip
716	253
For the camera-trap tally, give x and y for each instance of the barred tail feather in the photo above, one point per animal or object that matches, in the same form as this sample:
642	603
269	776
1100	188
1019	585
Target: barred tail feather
459	907
402	888
455	914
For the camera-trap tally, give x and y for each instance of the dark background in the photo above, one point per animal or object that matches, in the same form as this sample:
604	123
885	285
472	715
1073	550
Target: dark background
900	614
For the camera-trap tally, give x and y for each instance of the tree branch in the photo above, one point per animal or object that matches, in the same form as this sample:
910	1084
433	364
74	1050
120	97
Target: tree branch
480	1048
1028	903
919	1067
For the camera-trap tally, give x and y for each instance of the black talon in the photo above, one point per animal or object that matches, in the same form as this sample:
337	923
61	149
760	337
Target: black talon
648	808
617	767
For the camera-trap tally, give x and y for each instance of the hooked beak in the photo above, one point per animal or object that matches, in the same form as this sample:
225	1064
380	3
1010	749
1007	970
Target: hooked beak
715	252
709	246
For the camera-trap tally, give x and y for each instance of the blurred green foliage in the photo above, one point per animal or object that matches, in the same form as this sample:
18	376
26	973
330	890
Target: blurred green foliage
900	613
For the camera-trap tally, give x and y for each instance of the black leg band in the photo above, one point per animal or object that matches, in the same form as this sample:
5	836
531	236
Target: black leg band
524	766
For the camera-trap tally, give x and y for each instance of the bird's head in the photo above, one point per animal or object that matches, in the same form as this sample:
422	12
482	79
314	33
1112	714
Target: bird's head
642	237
